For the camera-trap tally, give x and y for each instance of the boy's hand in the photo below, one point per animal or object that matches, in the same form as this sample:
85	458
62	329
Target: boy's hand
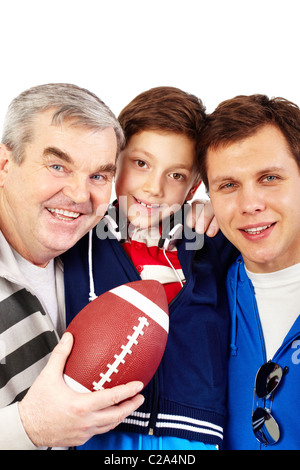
53	415
201	218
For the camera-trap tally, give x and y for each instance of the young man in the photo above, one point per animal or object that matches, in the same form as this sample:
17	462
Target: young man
57	161
250	151
156	173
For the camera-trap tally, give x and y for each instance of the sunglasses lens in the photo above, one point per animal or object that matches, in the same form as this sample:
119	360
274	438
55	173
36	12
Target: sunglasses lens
267	379
265	428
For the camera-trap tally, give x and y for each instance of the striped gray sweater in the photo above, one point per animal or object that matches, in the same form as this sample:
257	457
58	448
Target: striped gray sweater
27	337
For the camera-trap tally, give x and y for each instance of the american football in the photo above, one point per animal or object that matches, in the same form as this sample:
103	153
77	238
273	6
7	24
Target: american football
118	337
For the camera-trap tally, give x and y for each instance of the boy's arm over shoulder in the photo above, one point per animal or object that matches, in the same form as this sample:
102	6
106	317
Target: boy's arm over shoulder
201	219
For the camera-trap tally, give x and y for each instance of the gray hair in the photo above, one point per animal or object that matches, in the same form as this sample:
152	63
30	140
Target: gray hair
68	102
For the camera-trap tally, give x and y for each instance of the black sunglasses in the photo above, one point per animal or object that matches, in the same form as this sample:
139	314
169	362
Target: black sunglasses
265	427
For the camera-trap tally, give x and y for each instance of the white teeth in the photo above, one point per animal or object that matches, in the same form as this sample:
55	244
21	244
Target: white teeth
149	206
65	213
257	230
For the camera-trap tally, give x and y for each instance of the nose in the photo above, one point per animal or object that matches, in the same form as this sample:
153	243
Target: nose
153	185
251	200
77	190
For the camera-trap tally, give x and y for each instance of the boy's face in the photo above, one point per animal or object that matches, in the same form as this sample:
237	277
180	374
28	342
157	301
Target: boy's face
155	172
255	191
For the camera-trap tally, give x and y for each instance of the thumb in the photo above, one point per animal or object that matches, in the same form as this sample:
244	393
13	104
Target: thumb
60	354
213	228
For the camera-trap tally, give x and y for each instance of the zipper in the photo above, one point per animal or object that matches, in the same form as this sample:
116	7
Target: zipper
154	408
179	293
262	342
155	380
258	323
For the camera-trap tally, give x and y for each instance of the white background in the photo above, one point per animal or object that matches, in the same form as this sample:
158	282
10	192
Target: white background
215	49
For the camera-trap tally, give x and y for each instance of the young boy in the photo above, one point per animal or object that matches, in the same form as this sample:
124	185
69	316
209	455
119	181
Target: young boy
157	172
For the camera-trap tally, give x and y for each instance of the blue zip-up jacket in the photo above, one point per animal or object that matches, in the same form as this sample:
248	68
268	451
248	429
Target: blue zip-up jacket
247	356
186	397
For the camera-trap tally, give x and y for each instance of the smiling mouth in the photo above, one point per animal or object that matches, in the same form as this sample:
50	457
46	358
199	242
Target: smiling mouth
148	206
257	230
63	214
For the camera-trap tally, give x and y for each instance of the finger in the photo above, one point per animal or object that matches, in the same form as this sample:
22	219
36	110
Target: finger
190	218
195	213
60	354
204	215
213	228
112	396
114	415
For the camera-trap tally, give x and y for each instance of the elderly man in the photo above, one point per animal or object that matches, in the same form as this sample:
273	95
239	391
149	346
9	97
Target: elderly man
57	161
251	166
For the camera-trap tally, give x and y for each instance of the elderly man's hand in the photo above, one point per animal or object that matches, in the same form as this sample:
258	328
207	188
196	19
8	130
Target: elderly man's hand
53	415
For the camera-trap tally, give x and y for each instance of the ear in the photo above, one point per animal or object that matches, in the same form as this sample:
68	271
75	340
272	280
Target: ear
192	191
4	161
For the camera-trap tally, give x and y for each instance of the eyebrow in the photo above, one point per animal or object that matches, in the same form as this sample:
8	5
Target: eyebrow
57	153
271	169
106	168
180	166
138	150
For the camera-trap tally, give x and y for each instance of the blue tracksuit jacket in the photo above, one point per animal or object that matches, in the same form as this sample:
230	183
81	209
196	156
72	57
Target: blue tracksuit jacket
247	356
186	397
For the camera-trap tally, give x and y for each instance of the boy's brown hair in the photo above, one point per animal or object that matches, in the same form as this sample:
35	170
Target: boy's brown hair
164	109
241	117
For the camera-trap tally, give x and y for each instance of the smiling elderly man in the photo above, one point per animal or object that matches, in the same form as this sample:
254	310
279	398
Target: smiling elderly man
57	161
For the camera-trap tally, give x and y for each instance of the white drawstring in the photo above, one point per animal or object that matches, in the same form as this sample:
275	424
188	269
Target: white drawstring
175	271
92	295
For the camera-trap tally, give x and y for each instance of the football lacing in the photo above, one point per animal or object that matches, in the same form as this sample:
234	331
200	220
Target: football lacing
120	359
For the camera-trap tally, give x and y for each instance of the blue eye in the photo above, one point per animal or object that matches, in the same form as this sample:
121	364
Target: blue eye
270	178
99	178
57	167
228	186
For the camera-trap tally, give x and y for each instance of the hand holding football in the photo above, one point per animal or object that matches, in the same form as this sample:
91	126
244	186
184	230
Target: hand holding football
119	337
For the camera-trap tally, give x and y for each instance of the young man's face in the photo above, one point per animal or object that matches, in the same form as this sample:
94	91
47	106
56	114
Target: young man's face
255	191
155	172
50	200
